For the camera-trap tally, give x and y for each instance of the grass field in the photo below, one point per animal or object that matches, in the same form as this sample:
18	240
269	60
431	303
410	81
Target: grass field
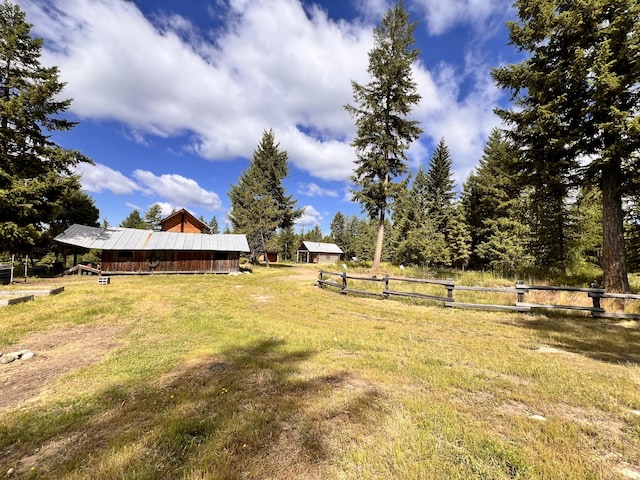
265	376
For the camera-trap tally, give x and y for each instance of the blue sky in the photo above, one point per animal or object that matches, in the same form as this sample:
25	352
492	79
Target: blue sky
172	96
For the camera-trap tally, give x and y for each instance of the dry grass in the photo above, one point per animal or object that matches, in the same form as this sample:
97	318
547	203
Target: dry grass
265	376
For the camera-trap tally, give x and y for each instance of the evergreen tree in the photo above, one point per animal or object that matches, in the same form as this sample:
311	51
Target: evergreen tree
585	240
459	238
416	239
381	108
259	204
214	228
576	95
134	220
491	200
350	237
338	230
314	235
440	186
286	243
153	217
74	206
36	175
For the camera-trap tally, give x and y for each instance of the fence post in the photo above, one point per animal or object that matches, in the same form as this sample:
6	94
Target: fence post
521	292
596	300
450	288
386	287
344	282
320	278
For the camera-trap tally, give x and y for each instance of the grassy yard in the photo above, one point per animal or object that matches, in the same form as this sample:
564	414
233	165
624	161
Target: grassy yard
265	376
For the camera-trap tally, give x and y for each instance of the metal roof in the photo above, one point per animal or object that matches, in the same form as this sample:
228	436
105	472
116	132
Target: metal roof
319	247
134	239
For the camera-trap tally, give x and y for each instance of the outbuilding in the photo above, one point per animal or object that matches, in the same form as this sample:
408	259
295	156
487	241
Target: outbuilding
129	250
318	252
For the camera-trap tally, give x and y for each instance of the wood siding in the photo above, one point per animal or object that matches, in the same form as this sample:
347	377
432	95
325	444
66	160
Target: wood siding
180	223
324	257
114	261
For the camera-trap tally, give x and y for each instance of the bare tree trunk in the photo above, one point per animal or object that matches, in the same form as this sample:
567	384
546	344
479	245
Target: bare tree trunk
614	263
378	253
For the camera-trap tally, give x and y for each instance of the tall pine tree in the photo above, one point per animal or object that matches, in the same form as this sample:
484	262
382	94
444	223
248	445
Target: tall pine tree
416	239
577	93
440	186
494	210
381	108
36	174
259	204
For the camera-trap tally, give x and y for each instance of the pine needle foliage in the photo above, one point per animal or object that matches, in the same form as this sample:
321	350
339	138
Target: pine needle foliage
36	174
381	107
259	203
576	103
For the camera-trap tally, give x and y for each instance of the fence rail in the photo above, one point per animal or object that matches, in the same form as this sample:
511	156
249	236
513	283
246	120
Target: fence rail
519	290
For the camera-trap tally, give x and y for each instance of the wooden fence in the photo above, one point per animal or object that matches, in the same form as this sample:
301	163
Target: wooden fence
343	282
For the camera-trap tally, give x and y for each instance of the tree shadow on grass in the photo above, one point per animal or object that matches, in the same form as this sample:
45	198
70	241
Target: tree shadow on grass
605	340
248	413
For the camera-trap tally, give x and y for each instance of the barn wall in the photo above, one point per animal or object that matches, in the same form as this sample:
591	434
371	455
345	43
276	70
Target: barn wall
180	223
114	261
324	257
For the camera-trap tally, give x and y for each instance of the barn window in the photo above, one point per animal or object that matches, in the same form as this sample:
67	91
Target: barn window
125	256
221	256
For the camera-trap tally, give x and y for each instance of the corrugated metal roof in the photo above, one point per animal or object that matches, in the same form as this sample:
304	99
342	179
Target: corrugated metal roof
134	239
319	247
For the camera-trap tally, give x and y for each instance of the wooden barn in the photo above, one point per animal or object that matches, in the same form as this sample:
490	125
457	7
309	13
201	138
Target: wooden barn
184	222
317	252
129	250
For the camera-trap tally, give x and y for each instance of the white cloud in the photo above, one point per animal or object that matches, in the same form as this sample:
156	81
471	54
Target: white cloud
372	10
314	190
441	16
179	190
310	218
99	178
272	64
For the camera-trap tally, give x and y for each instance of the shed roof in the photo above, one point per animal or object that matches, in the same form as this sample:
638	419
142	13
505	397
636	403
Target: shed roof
134	239
319	247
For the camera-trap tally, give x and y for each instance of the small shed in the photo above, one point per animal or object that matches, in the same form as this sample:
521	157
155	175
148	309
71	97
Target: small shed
184	222
318	252
129	250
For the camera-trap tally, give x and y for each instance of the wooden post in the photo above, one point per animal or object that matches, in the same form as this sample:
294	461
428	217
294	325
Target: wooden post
320	278
386	286
594	298
450	288
344	282
521	292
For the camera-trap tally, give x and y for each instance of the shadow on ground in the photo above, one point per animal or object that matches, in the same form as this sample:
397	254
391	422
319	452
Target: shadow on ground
248	413
606	340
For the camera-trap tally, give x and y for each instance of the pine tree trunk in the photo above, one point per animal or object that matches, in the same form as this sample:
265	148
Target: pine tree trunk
378	253
264	248
614	263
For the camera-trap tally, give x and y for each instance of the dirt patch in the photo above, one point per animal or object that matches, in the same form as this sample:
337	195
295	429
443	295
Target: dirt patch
56	353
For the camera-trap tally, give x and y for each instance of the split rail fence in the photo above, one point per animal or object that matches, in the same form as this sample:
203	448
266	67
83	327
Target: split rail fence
344	282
